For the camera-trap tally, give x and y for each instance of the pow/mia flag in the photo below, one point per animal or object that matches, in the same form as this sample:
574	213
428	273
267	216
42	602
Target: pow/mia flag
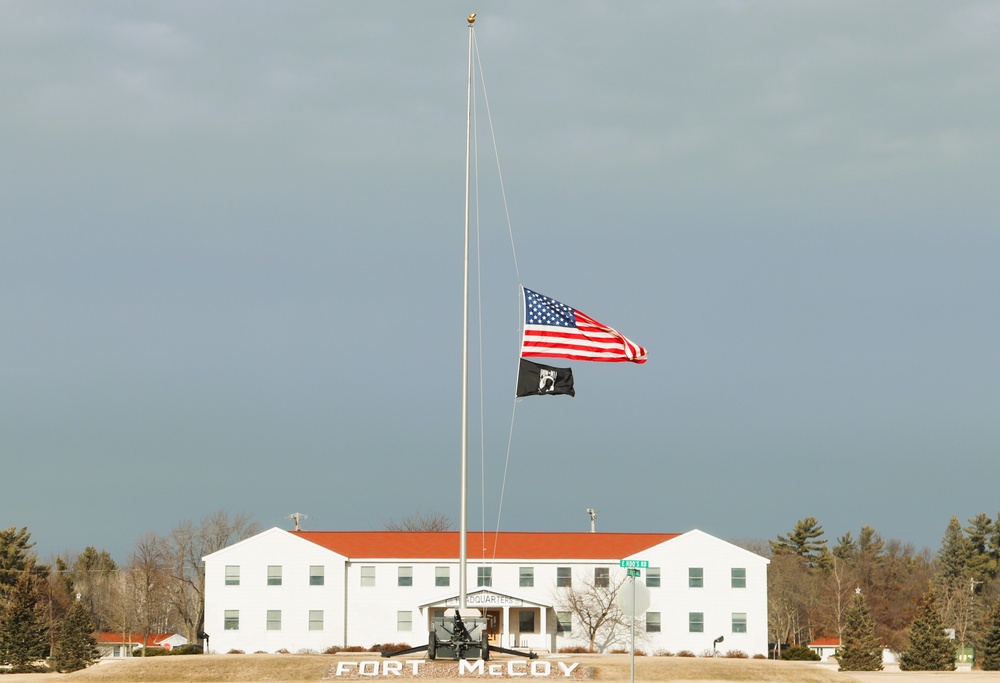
540	380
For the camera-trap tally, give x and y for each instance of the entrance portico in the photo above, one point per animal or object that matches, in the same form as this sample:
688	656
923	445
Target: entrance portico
512	621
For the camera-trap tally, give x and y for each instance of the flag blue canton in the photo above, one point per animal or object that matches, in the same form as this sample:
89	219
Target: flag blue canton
543	310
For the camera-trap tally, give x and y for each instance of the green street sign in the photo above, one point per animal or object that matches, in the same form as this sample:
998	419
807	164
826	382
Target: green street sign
633	572
634	564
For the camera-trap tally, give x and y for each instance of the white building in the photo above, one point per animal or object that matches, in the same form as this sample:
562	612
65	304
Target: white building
309	590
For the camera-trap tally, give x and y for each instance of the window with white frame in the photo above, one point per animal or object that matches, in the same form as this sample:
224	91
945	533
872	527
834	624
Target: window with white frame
315	620
484	576
367	575
602	577
696	622
739	622
564	622
404	576
653	577
274	620
442	576
404	620
232	575
526	621
526	577
231	620
739	577
564	577
274	575
696	577
317	575
652	622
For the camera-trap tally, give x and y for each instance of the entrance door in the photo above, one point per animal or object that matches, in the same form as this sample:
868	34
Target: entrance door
494	621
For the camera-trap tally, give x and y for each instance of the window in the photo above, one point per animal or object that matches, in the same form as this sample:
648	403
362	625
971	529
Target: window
602	577
231	620
564	577
317	575
526	621
442	576
564	622
404	621
739	622
274	620
274	575
696	577
652	622
367	576
696	622
315	620
484	576
653	577
404	576
739	577
526	577
232	575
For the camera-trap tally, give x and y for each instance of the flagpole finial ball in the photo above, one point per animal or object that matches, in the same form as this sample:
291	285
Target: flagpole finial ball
472	18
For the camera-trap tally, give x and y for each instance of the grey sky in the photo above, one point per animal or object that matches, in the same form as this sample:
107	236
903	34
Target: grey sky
230	275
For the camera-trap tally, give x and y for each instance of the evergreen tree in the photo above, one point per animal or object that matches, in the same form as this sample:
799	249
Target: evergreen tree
803	542
15	558
991	645
859	649
23	637
930	647
77	648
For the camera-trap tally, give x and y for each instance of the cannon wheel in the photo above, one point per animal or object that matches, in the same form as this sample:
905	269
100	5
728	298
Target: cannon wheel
485	648
432	644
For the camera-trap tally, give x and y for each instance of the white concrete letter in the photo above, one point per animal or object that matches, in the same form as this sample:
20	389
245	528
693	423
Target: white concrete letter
342	667
366	670
496	669
474	667
568	669
415	666
391	667
540	668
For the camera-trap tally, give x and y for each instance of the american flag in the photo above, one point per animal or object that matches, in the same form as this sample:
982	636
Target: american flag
555	330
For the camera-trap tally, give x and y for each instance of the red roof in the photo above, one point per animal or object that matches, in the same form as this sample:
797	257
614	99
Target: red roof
825	642
133	638
508	544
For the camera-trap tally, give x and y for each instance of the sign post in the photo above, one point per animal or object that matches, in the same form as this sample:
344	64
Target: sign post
633	598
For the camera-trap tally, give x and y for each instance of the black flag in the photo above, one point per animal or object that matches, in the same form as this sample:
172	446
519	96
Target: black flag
539	380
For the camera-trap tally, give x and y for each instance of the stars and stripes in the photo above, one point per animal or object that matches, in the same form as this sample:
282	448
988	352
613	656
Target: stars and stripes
555	330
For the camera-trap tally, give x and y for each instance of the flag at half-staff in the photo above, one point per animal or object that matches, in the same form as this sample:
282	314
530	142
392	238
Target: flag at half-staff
554	330
534	379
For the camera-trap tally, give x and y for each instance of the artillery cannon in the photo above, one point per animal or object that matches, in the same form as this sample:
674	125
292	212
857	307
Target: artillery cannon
457	638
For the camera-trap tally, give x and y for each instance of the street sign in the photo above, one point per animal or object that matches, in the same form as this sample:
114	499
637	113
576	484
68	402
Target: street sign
634	564
633	598
632	572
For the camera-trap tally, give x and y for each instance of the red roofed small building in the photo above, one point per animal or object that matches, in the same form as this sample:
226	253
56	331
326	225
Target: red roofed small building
127	645
309	590
825	647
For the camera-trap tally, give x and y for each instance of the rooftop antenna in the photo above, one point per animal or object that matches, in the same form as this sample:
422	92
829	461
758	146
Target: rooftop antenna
298	517
593	519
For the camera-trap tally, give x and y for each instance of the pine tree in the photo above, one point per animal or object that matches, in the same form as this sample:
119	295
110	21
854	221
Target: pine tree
859	649
930	648
804	541
23	638
77	648
991	645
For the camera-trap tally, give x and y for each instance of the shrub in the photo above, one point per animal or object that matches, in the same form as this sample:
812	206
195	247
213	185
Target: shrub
236	652
188	649
619	651
306	651
151	652
663	653
575	649
390	647
281	651
799	653
332	650
759	656
685	653
735	654
354	648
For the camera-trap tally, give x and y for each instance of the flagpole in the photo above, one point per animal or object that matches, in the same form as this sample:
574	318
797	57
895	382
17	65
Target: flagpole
464	496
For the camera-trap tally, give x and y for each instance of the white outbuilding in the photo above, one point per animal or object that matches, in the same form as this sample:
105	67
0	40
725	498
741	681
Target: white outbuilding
310	590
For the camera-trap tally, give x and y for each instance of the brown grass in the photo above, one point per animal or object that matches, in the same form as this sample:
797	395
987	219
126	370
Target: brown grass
261	668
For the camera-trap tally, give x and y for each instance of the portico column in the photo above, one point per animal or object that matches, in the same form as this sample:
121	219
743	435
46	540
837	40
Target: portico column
545	621
506	626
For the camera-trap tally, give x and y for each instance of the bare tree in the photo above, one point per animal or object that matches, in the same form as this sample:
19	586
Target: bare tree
147	573
183	549
595	611
428	520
